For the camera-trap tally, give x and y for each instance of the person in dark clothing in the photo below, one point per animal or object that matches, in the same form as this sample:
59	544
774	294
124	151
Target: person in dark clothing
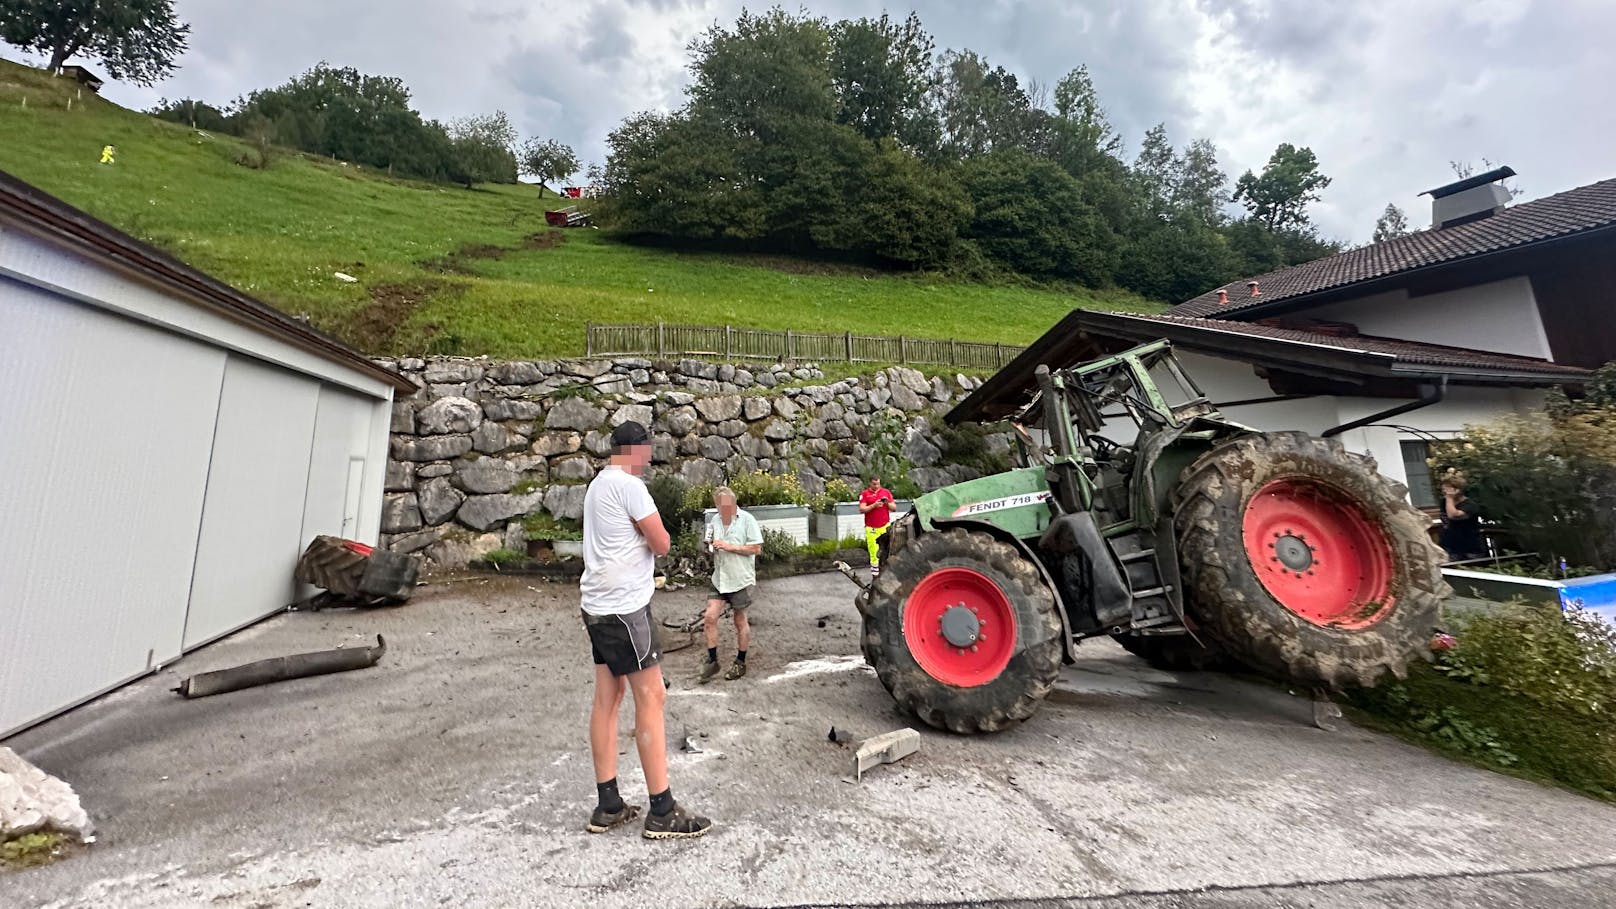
1461	523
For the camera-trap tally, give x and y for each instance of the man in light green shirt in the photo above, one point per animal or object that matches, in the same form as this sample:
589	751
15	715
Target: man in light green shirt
734	539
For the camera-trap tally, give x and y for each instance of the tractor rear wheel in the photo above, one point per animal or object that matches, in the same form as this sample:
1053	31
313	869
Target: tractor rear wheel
1304	562
962	630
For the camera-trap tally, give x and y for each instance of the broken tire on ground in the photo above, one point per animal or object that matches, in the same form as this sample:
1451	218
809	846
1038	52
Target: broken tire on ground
962	630
1178	652
1305	563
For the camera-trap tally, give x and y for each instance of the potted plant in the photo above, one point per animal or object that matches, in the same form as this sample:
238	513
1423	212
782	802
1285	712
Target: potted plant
836	513
563	539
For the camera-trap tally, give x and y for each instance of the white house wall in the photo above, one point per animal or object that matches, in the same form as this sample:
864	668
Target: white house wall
1499	316
104	438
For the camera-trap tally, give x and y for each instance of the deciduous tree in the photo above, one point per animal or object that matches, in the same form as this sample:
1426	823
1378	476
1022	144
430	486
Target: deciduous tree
1279	196
547	160
136	40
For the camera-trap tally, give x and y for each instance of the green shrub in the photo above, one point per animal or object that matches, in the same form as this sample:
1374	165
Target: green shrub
888	429
1524	689
778	546
541	526
505	557
764	488
670	495
837	490
824	549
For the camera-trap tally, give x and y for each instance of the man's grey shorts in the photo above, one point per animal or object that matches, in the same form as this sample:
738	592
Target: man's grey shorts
738	600
623	644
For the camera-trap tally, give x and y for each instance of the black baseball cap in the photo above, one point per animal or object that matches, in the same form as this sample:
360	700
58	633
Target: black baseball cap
631	432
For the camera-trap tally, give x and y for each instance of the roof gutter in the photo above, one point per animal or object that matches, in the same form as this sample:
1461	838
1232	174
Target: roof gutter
1428	395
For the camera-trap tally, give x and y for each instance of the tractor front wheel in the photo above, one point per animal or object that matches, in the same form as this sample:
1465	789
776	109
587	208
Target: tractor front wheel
1305	563
962	630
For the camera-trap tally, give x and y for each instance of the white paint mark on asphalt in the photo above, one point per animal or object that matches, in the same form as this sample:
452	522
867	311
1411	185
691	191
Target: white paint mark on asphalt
698	692
815	667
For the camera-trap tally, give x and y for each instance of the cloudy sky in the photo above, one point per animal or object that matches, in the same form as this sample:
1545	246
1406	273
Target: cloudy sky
1386	92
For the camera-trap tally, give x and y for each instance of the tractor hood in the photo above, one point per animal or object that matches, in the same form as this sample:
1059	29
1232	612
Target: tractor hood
1015	501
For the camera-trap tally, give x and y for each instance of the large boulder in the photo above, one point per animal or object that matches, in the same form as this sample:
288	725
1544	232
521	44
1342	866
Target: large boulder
919	451
680	421
598	443
434	448
439	372
32	800
719	408
639	413
756	407
488	512
575	469
586	369
551	444
520	372
486	476
786	408
512	409
403	417
455	551
574	413
778	430
699	471
400	476
754	447
566	501
904	397
730	429
401	513
448	415
492	438
439	500
716	448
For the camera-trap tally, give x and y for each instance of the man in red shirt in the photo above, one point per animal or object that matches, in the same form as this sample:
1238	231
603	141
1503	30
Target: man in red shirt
875	503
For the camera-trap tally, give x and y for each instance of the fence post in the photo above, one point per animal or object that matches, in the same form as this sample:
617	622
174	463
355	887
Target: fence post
953	352
998	354
903	349
789	355
661	349
849	347
726	341
589	339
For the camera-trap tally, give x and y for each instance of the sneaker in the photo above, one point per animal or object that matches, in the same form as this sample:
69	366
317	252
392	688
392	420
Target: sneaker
709	669
875	571
602	820
736	670
677	824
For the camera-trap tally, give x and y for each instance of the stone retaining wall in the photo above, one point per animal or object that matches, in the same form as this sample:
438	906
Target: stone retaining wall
484	443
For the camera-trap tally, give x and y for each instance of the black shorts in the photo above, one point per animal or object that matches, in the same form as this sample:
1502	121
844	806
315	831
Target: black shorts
623	643
737	600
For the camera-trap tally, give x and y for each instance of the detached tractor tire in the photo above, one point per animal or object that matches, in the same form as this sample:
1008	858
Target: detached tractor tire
1178	652
962	630
1305	563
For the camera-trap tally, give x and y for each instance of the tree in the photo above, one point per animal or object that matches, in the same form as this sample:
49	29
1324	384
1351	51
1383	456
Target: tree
881	74
1391	224
483	148
1279	197
1202	187
1156	174
980	108
195	114
547	160
135	40
1032	217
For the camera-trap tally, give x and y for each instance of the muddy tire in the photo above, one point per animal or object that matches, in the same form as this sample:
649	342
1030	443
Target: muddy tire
1305	563
962	630
331	565
1178	652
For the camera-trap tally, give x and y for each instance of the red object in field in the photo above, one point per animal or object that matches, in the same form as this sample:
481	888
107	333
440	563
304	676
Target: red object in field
572	192
567	217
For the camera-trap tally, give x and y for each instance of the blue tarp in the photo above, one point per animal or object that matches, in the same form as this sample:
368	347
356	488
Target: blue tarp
1596	594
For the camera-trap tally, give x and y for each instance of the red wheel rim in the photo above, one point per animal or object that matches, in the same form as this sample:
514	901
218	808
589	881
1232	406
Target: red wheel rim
960	627
1318	555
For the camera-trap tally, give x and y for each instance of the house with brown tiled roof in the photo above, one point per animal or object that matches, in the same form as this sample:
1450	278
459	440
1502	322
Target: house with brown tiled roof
1393	345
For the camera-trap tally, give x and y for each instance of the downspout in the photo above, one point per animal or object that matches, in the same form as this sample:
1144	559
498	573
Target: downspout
1429	394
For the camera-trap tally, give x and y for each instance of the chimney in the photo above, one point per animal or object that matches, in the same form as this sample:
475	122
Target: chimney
1223	297
1470	199
1254	291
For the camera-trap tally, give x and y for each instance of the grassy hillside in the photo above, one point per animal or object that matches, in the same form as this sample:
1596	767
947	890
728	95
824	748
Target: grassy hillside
442	268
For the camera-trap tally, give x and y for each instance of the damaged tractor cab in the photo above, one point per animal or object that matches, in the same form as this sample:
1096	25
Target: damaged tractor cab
1194	541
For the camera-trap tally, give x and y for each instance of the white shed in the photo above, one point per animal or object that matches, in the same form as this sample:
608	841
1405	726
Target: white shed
168	447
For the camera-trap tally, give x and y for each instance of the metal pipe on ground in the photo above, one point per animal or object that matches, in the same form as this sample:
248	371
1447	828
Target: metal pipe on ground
279	669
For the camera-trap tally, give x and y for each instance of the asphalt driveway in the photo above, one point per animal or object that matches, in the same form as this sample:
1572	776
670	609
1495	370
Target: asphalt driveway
457	773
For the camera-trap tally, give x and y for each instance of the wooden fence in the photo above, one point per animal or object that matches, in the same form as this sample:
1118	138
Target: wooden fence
728	342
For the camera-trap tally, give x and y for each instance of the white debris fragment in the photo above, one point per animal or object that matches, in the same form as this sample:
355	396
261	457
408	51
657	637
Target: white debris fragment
345	278
32	800
815	667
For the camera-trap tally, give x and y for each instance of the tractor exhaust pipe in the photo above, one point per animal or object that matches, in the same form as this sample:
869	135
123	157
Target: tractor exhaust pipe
279	669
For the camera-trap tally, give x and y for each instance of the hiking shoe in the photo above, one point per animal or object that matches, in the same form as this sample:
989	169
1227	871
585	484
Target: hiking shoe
709	669
602	820
736	670
677	824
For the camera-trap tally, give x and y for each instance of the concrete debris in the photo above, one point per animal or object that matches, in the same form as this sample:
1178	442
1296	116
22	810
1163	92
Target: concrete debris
32	800
887	748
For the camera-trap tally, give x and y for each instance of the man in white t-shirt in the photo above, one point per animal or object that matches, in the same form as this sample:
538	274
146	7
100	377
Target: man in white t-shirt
623	535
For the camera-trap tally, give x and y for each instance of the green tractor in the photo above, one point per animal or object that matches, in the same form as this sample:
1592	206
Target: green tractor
1197	542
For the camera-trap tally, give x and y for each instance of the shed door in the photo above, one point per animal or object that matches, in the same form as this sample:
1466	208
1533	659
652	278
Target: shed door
252	515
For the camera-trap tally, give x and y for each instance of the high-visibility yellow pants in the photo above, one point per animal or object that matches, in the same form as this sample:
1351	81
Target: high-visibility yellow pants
872	538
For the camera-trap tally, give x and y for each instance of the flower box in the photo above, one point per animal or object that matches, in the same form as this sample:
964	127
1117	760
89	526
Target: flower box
844	520
791	520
